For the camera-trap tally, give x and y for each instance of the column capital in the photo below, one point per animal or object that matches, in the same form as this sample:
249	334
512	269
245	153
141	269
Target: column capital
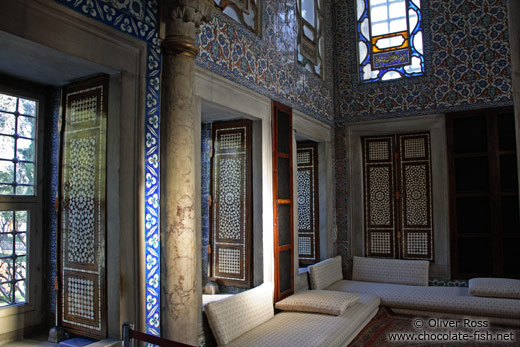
182	18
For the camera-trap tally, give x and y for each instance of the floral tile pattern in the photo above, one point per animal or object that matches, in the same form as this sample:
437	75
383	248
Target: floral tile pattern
467	64
468	67
267	64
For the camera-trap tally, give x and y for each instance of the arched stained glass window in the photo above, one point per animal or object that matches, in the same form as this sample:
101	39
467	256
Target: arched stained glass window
390	39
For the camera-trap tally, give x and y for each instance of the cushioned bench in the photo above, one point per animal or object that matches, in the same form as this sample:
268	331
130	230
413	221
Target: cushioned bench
408	291
248	319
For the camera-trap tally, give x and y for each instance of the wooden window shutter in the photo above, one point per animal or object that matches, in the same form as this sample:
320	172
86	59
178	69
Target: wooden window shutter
283	201
398	196
308	207
231	212
83	209
380	196
416	205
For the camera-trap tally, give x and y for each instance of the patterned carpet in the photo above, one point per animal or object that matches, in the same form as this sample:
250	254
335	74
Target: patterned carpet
402	329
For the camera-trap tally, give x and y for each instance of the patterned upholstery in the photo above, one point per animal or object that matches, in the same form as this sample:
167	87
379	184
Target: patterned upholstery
495	287
325	273
318	301
435	299
231	317
300	329
411	272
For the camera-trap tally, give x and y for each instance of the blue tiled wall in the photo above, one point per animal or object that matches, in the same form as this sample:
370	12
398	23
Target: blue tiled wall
468	67
467	63
267	63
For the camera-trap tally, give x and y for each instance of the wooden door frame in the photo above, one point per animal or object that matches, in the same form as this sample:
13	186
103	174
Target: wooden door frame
277	249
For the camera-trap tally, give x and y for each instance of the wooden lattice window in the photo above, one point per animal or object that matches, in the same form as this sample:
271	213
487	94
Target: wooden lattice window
308	207
310	35
283	201
231	210
398	196
83	208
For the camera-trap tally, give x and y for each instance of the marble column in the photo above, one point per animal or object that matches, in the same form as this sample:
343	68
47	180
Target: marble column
179	296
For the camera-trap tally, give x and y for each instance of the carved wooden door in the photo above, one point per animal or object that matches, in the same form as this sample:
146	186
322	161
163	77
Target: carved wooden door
398	202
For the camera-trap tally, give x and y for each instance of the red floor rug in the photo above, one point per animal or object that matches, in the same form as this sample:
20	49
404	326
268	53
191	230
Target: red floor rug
389	329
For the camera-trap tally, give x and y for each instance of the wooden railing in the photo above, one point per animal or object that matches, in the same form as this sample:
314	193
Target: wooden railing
129	335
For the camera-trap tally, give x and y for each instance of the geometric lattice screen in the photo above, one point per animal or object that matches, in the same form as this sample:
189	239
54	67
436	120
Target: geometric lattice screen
398	196
308	207
231	237
83	209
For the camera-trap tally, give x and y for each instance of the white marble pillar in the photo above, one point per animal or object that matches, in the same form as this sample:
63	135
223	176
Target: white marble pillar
179	297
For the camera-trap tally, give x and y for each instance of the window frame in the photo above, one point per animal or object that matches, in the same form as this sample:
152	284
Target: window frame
32	203
242	8
313	62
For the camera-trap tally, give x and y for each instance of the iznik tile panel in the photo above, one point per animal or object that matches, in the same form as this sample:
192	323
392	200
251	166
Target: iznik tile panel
268	63
466	47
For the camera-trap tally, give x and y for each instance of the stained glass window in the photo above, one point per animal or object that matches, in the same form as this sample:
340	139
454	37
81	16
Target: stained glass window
310	35
13	257
390	38
245	12
17	145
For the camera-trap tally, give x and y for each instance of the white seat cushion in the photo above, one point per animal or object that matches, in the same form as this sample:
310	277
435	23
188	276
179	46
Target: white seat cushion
300	329
411	272
318	301
495	287
325	273
434	299
231	317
